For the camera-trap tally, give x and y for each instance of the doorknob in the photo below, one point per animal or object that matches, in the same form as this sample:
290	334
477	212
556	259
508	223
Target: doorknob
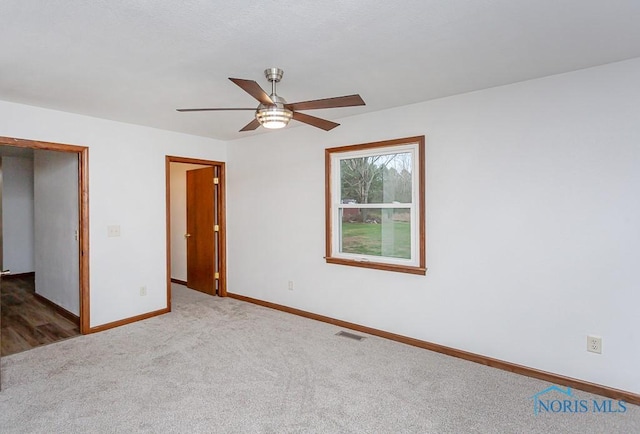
5	272
187	235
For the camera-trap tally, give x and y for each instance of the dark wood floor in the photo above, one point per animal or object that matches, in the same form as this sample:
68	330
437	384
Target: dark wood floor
26	322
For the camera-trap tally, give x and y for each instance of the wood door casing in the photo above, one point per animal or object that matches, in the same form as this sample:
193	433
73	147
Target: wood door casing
200	229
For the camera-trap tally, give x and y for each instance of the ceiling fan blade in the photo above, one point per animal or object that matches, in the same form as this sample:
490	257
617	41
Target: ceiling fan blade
251	126
253	89
314	121
339	101
212	109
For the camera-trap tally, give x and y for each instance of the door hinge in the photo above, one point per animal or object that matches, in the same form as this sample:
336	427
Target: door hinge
216	275
216	228
216	180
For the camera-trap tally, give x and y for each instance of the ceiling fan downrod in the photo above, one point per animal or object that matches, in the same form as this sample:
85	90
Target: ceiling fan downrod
274	75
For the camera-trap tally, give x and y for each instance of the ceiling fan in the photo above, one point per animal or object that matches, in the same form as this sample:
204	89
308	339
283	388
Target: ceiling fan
274	112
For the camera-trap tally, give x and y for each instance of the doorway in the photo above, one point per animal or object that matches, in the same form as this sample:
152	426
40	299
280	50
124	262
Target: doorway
196	229
79	155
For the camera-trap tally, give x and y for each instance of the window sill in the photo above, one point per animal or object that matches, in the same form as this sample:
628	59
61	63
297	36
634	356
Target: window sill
378	266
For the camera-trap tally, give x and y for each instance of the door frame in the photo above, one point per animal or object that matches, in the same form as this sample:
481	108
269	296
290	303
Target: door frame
83	214
222	241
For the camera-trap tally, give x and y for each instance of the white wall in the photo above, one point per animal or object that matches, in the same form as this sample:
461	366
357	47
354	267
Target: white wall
55	192
533	241
178	211
17	214
126	188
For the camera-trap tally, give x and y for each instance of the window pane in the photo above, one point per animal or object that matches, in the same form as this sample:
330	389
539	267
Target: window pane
376	232
382	178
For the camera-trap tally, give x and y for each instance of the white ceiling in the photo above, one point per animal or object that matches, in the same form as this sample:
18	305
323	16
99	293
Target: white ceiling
138	60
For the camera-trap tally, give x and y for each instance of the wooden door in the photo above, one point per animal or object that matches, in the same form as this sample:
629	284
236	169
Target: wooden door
201	260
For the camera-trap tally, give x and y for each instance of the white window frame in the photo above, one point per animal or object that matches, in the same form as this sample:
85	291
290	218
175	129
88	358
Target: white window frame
416	264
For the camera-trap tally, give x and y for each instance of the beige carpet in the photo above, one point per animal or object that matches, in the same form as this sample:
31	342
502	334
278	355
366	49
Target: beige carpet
223	366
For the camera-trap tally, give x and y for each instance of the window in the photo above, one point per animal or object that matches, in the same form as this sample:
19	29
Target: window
375	205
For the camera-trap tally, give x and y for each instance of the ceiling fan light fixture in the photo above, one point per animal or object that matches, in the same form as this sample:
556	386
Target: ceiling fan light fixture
273	117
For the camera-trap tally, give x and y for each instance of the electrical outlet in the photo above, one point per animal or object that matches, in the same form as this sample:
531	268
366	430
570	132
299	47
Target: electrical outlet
594	344
143	291
290	285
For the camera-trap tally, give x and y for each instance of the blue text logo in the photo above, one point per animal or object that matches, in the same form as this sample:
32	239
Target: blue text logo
555	399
